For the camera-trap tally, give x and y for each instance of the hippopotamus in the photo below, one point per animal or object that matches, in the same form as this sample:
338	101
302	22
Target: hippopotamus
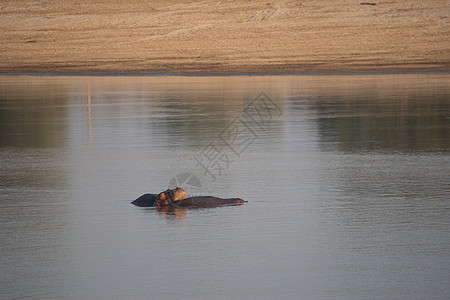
176	198
146	200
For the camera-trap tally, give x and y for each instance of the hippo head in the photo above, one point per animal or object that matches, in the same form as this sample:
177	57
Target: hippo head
161	199
168	197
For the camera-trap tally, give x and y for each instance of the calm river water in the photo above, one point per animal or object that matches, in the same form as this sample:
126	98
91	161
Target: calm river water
347	178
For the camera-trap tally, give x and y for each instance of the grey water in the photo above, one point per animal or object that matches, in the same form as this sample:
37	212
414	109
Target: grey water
347	180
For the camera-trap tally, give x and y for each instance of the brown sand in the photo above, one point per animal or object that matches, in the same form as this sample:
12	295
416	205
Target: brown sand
223	37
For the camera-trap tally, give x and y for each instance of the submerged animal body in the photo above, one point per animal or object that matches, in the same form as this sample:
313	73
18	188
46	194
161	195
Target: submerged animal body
176	198
146	200
207	201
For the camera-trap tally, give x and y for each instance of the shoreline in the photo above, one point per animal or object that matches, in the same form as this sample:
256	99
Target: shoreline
225	38
112	74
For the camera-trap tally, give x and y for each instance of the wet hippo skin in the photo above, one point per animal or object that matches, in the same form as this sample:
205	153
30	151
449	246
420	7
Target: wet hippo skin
146	200
176	198
207	201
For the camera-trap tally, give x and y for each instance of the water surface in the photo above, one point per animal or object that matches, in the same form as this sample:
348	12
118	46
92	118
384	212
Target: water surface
347	179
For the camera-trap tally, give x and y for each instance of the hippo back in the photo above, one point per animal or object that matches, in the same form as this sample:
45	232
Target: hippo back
208	201
145	200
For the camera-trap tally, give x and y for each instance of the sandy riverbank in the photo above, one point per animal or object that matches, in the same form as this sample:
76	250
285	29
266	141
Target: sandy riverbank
223	37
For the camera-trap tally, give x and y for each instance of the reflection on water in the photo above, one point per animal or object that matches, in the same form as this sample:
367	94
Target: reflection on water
410	124
347	188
